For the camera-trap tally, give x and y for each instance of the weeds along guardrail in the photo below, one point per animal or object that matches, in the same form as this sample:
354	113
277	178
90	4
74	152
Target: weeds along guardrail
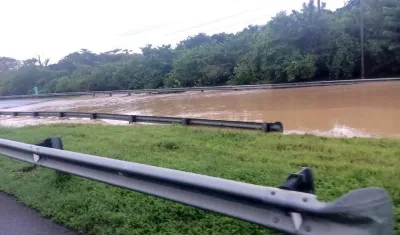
292	208
210	88
263	126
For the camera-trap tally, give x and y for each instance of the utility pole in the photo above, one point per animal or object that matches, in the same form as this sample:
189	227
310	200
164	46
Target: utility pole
319	5
362	38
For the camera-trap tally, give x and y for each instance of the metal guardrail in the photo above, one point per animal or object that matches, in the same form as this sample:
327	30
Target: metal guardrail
292	208
210	88
263	126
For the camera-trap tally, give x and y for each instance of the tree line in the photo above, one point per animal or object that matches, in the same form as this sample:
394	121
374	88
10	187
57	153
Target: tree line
311	44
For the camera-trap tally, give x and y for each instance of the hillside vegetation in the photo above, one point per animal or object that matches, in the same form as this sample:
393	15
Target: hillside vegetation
306	45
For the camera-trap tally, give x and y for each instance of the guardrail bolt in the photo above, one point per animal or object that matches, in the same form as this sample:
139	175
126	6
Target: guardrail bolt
61	114
132	119
93	116
185	121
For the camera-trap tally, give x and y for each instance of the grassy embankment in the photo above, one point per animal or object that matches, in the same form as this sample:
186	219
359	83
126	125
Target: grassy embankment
340	165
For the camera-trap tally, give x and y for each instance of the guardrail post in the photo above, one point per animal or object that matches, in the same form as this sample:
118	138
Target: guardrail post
129	94
132	119
14	114
185	121
35	114
93	116
56	143
302	181
110	94
61	114
94	94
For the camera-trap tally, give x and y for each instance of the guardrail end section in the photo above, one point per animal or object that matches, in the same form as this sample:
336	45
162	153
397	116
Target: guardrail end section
276	127
369	210
272	127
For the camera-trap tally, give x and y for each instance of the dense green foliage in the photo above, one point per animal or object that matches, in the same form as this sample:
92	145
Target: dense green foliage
340	165
305	45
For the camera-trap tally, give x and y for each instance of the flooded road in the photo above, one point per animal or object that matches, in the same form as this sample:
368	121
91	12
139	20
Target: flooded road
5	104
352	110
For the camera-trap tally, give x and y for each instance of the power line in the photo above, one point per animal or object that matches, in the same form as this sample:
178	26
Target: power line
237	23
227	26
143	30
211	22
151	28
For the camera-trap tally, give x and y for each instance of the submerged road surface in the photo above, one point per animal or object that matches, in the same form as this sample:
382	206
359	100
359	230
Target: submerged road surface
18	219
362	110
6	104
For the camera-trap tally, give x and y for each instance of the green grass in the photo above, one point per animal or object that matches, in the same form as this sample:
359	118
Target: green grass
339	165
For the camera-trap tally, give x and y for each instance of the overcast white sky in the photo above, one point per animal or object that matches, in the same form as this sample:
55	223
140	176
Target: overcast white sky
54	28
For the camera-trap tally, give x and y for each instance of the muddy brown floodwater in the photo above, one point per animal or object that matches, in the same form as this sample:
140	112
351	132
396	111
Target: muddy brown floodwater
352	110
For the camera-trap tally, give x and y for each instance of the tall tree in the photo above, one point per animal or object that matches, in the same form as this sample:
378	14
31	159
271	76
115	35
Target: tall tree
7	64
392	30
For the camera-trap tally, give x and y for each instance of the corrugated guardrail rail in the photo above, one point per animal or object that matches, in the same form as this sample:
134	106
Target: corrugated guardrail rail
209	88
291	208
263	126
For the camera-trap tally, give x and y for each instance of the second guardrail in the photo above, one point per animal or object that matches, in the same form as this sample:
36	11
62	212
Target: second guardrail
262	126
209	88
